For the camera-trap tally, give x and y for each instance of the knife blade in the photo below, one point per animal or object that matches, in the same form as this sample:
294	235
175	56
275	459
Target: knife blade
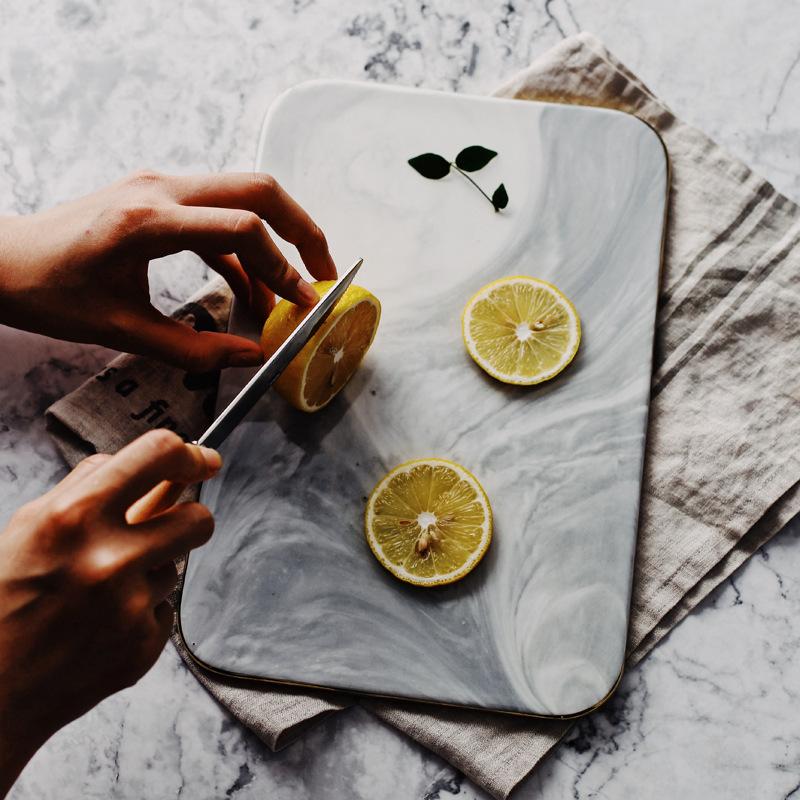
237	409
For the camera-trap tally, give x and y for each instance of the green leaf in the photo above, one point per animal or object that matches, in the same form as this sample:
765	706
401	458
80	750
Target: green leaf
500	197
471	159
430	165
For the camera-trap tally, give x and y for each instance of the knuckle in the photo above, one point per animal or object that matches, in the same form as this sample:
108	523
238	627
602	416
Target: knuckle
70	514
144	177
136	606
96	459
199	355
201	520
248	224
316	238
283	272
27	515
263	183
132	217
162	440
101	566
119	322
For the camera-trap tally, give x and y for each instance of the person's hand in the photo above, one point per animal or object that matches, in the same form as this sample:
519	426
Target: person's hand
83	610
79	271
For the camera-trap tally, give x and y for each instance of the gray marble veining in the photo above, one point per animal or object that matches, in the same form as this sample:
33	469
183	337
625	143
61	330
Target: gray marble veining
288	588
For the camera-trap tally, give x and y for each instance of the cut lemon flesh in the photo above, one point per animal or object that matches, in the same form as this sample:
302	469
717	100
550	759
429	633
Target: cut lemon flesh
521	330
329	359
428	522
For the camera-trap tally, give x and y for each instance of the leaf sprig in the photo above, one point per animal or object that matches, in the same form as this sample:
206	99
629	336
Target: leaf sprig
470	159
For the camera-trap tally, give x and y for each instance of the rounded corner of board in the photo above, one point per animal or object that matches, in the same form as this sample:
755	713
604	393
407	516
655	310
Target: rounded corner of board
601	700
283	100
649	131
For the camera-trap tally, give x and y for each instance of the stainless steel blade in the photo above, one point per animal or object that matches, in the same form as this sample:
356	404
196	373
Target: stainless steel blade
236	410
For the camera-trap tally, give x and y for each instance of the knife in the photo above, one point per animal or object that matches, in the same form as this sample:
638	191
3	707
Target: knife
166	493
224	424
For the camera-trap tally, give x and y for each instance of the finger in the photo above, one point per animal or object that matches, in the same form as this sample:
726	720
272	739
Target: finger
162	582
223	230
82	470
265	299
157	456
253	293
158	499
171	534
157	336
232	271
263	195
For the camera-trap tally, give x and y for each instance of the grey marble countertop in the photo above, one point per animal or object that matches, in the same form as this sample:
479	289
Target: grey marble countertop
90	90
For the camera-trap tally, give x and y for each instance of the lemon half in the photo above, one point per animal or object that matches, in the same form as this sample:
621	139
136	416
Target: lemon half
521	330
331	356
428	522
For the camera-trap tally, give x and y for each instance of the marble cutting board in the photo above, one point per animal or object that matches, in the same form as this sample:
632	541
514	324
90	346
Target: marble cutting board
287	589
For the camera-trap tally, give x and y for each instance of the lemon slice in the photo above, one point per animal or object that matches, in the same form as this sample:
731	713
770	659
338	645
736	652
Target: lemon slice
428	522
521	330
331	356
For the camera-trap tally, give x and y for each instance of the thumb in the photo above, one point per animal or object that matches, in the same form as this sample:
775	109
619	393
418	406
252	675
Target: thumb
196	351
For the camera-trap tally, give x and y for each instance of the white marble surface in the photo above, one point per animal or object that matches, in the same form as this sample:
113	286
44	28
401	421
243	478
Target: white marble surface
91	90
540	627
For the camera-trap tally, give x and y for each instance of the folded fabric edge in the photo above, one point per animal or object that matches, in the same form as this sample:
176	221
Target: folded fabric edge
522	84
578	41
782	502
71	447
436	729
783	513
244	700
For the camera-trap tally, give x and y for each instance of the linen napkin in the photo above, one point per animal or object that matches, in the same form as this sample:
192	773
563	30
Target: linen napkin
721	474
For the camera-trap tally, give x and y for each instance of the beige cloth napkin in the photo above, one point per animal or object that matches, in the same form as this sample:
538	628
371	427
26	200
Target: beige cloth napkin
721	471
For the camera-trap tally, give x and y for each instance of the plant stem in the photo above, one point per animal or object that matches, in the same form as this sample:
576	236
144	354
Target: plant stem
453	165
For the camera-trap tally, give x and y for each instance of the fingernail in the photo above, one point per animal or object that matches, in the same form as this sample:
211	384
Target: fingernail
307	292
245	358
212	457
